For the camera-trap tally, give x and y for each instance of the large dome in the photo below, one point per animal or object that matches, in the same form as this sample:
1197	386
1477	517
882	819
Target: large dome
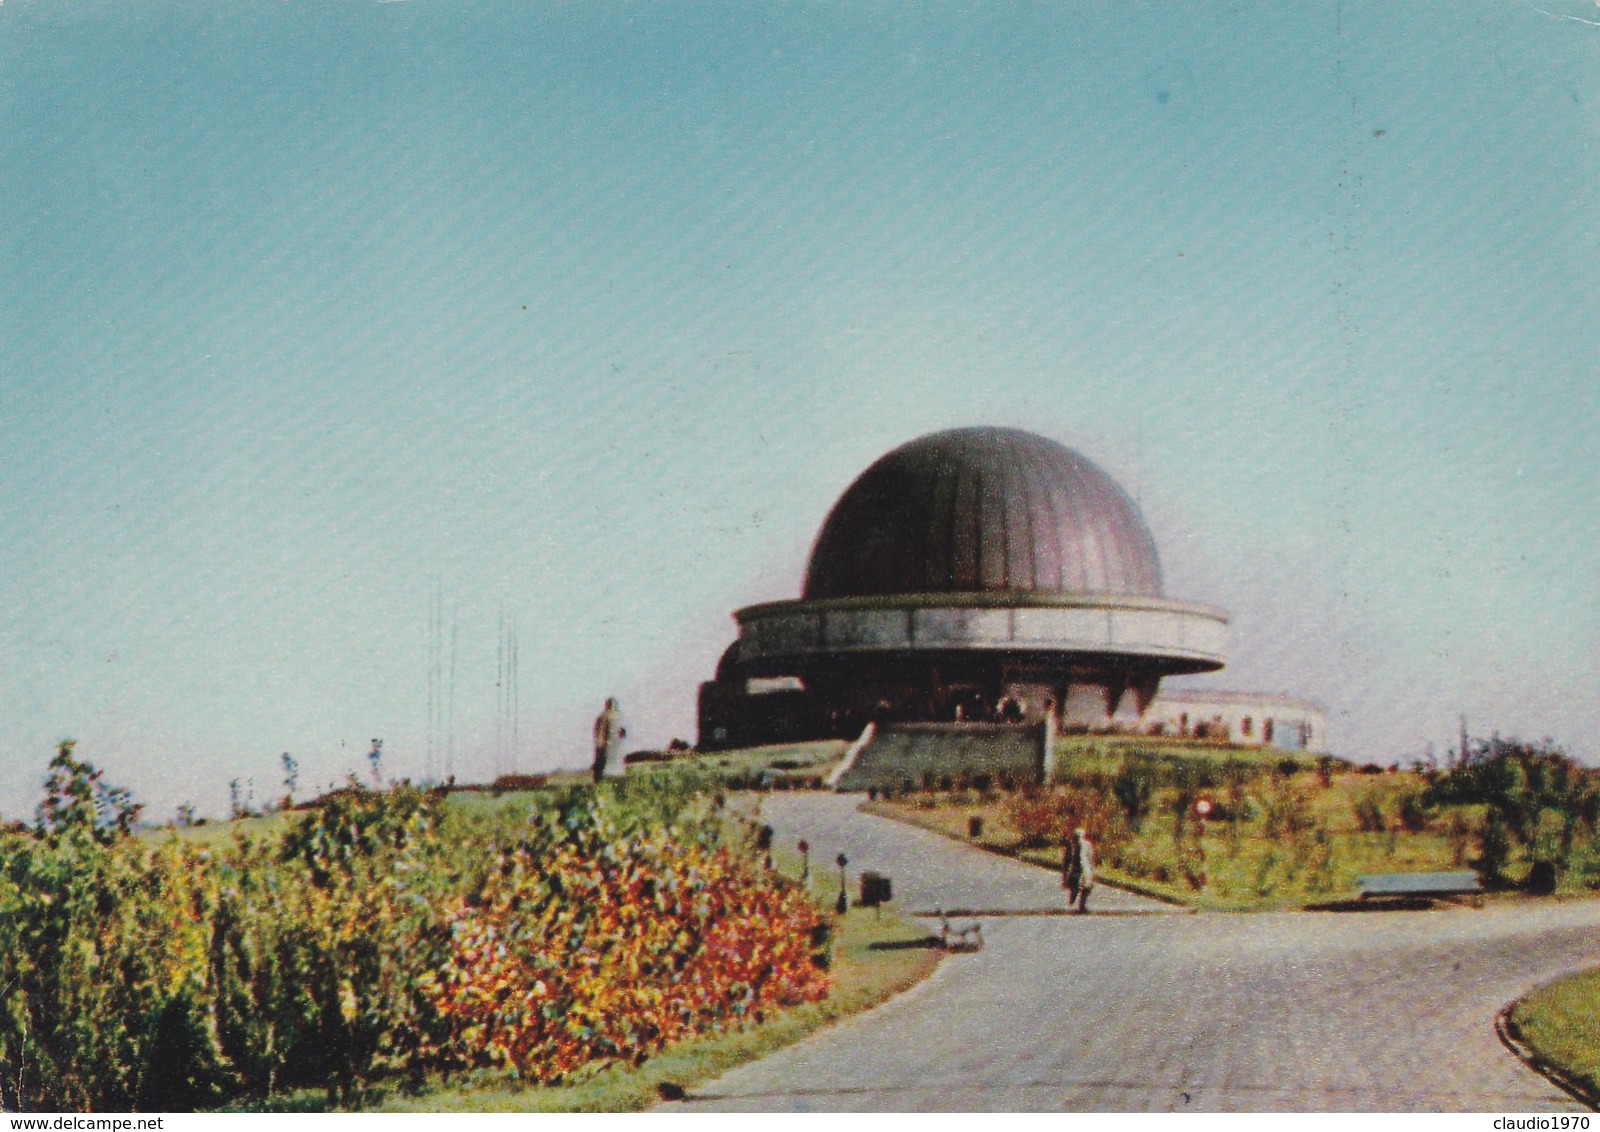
983	509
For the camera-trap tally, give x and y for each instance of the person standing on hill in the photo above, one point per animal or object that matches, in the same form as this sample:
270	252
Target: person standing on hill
608	732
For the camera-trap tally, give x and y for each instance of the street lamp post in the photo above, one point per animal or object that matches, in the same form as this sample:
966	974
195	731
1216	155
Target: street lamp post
843	903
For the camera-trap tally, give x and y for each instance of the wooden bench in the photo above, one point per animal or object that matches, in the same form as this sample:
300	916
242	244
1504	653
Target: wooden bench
1418	885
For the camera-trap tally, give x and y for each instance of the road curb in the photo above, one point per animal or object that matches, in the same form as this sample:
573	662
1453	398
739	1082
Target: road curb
1054	913
1505	1030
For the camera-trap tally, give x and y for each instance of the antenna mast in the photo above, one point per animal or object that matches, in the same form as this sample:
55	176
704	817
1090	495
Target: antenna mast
455	641
516	701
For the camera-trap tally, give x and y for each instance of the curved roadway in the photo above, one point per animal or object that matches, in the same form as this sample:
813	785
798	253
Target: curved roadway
1121	1010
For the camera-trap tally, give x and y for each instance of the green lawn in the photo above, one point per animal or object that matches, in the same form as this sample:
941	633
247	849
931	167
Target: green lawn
1243	868
1560	1023
276	822
223	830
1079	755
797	762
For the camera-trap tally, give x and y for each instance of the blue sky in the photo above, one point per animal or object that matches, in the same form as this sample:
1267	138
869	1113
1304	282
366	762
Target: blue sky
584	314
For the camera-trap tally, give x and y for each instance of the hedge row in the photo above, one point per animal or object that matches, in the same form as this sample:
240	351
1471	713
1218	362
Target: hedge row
383	935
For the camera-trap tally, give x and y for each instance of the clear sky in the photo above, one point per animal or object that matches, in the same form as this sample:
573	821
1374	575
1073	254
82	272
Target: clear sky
582	315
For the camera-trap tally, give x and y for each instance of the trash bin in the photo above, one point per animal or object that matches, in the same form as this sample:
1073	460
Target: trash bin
876	890
974	827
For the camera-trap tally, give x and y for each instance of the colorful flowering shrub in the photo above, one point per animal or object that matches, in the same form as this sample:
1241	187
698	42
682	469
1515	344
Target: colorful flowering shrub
381	935
606	951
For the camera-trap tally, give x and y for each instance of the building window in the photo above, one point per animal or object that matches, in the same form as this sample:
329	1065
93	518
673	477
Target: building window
1183	724
1266	732
1245	725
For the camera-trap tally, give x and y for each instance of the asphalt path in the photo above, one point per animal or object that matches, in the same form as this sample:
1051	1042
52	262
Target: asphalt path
1131	1008
931	873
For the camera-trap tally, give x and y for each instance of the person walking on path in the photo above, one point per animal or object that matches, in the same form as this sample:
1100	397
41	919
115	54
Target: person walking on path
1077	869
608	730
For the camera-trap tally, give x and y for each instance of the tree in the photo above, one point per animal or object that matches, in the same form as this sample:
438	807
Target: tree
1534	794
291	776
1133	788
77	799
238	807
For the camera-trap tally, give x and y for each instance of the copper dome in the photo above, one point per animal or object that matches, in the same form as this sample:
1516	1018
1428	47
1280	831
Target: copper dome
983	509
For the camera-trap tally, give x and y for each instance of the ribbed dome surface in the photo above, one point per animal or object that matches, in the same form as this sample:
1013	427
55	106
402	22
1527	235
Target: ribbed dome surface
983	509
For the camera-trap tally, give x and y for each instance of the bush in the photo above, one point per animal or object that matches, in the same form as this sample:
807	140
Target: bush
1033	815
1322	861
1047	817
1494	849
1535	797
1414	816
1133	787
666	942
352	946
1369	814
1288	811
515	783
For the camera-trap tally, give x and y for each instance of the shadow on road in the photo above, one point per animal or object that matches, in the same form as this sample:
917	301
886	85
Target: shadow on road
1393	904
927	941
1053	913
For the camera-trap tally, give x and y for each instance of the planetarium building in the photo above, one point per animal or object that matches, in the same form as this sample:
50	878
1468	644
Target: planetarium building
980	574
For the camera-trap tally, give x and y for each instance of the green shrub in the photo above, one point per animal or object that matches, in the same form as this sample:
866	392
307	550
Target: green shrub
1264	885
1369	813
1414	815
1133	788
1287	811
140	975
1494	849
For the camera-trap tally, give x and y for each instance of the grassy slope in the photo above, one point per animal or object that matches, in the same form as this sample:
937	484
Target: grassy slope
1561	1024
951	821
800	760
1247	872
1104	753
223	831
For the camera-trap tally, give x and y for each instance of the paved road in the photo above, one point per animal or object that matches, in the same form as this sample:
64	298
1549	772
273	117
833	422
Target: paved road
1303	1011
930	872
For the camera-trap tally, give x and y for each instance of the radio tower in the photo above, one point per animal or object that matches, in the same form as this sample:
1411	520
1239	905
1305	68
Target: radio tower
435	679
500	693
508	695
450	743
516	701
